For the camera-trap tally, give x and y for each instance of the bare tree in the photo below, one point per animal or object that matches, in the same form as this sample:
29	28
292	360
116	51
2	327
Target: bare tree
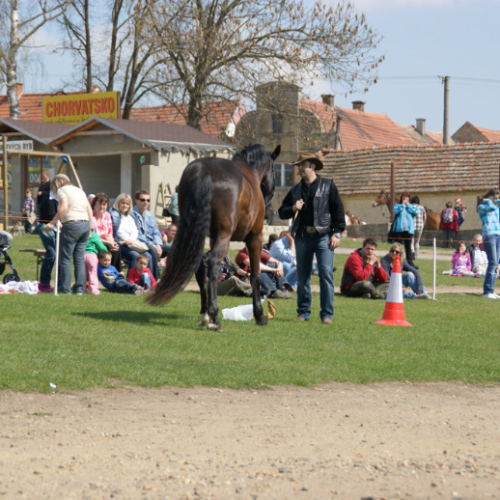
19	25
120	55
222	49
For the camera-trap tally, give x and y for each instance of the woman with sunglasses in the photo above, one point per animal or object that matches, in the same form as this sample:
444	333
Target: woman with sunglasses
410	276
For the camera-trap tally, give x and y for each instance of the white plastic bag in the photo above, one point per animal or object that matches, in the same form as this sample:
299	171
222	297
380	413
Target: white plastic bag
239	313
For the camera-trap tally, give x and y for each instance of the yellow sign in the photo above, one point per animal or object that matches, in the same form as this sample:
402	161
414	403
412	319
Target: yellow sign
76	108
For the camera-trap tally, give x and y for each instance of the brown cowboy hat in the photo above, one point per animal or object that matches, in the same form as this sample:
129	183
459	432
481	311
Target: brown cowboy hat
310	157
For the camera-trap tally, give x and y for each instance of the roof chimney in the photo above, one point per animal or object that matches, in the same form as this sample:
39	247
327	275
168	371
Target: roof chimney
19	88
421	126
359	105
328	99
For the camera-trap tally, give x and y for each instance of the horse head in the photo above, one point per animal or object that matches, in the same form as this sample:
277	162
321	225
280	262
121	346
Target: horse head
381	199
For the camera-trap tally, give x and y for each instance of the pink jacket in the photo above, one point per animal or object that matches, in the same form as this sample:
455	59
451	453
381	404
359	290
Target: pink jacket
456	256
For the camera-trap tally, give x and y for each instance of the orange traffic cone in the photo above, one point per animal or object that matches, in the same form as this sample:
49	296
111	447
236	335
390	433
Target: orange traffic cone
394	313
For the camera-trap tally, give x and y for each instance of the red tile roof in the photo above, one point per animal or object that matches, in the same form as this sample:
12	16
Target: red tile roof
471	133
325	114
30	106
221	113
360	129
218	118
421	169
491	135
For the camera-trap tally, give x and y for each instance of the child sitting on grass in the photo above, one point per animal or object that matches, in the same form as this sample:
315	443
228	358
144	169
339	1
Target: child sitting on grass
141	274
94	246
111	279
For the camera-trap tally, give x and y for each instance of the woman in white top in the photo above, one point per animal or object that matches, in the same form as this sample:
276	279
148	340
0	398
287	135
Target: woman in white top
75	214
125	229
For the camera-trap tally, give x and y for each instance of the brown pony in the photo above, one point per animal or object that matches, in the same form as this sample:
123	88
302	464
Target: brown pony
226	200
433	218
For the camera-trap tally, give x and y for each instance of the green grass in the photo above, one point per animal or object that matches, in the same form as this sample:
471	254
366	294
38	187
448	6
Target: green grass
109	340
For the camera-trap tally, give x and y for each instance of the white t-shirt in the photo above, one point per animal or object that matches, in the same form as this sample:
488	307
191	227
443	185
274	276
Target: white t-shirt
77	203
127	229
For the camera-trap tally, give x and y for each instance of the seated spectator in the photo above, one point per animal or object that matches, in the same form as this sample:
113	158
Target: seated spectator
272	280
169	234
148	230
141	274
112	280
272	238
104	228
478	257
125	230
94	246
233	280
363	273
410	276
460	261
283	250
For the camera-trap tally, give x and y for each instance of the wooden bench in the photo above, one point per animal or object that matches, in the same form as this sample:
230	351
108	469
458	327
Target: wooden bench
39	254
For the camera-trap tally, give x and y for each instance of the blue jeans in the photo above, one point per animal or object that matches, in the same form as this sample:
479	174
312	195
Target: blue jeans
146	281
73	241
492	249
131	256
50	257
409	280
153	261
307	245
291	276
122	286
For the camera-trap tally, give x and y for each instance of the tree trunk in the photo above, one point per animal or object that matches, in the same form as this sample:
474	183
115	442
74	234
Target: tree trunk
12	61
88	48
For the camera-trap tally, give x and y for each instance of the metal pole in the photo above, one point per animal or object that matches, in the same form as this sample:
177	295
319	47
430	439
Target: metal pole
393	194
5	180
58	233
446	119
434	269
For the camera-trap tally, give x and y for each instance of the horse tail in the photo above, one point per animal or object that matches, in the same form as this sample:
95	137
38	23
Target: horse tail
187	250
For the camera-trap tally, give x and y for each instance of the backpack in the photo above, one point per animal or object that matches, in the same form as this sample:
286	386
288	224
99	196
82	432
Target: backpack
447	216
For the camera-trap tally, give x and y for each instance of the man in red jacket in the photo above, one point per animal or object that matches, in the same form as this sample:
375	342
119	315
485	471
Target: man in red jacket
363	274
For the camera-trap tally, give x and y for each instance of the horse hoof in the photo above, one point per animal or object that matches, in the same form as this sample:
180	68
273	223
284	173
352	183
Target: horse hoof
203	320
261	321
213	326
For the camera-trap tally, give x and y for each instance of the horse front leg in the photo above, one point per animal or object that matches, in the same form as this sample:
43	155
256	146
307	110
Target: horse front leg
201	279
254	245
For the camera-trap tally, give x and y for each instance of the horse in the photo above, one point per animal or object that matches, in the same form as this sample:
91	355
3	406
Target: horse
433	218
226	200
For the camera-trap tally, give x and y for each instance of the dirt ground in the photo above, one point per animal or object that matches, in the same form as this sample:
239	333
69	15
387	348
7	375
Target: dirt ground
334	441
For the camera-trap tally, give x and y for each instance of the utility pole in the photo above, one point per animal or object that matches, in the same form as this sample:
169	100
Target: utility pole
446	118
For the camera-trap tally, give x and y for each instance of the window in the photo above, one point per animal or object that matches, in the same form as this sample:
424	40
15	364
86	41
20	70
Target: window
277	124
283	174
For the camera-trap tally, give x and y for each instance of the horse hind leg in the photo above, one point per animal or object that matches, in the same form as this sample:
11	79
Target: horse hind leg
201	279
219	251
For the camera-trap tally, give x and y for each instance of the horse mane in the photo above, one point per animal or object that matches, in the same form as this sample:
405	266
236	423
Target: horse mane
255	156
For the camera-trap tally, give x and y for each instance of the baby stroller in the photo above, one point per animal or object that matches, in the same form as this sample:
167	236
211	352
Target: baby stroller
5	239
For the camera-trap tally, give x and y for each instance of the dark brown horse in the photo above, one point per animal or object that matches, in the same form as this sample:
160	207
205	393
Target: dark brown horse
433	218
226	200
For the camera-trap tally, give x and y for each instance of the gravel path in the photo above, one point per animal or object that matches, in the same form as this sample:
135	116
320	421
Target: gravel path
337	441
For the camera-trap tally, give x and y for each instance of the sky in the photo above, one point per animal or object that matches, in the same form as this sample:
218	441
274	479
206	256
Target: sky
422	41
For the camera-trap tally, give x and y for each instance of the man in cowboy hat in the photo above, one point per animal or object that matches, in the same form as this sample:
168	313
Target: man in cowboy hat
319	220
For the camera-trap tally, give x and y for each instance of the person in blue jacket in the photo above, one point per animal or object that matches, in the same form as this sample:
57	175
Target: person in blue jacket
403	227
488	210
